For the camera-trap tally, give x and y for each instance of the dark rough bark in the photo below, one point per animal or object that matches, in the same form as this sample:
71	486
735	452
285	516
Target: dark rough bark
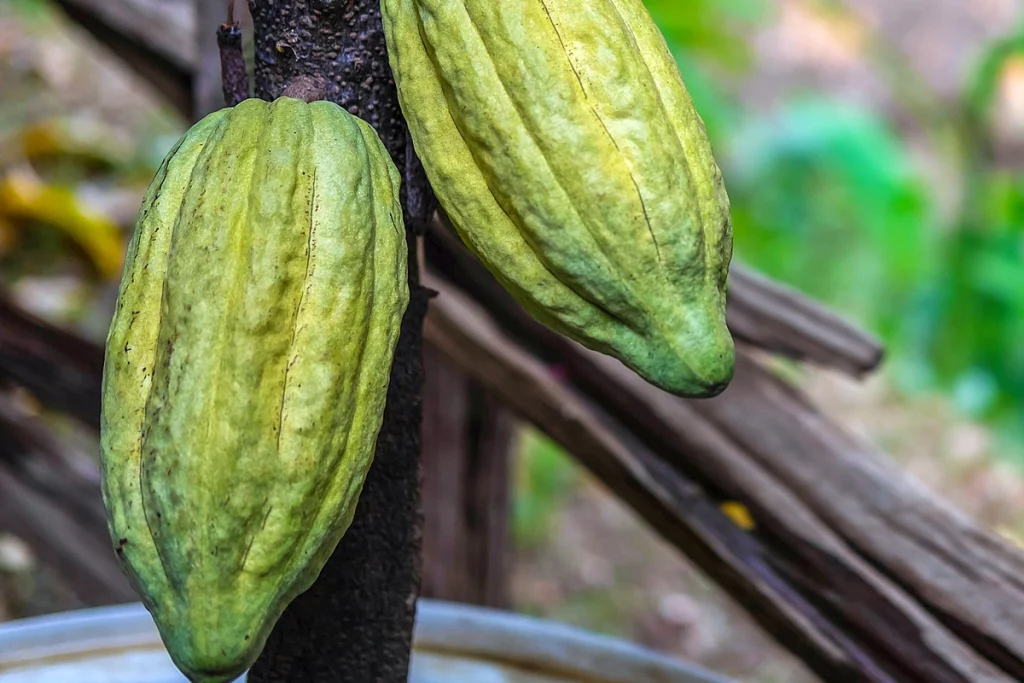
355	624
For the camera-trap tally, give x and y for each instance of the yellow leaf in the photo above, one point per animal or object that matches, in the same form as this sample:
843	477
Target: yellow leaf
8	236
23	195
81	138
1011	535
739	515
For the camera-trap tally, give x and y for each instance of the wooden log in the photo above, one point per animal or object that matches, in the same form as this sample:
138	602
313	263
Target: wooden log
155	38
51	500
775	318
845	608
966	576
61	369
468	437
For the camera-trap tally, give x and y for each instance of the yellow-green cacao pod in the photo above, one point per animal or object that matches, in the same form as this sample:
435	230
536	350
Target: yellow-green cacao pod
561	141
246	369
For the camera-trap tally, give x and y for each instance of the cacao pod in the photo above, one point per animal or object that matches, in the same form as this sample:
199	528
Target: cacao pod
246	369
561	142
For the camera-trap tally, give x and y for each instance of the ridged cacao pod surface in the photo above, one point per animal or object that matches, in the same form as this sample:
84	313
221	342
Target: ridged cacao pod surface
561	141
246	369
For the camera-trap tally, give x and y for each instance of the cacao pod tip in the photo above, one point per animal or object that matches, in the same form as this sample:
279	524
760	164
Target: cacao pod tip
220	661
696	363
684	382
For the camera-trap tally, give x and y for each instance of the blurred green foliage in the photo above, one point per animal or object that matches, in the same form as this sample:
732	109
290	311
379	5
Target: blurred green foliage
29	9
829	198
824	198
543	476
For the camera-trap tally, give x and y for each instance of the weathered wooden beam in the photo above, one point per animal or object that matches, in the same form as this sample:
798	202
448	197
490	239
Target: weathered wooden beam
155	38
52	501
61	369
775	318
964	575
760	313
845	608
468	438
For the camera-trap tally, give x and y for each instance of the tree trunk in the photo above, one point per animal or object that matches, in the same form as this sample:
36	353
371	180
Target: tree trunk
355	623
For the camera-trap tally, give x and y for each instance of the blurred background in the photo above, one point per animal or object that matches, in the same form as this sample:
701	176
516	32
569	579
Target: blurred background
874	154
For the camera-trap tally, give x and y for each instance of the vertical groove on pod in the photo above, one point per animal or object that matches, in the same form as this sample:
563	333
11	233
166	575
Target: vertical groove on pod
292	354
580	291
163	357
604	126
691	157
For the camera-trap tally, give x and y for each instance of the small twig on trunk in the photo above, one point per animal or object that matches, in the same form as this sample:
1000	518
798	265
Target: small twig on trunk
232	61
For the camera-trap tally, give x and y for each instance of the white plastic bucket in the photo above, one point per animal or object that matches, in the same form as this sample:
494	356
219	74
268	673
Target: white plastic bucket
453	644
